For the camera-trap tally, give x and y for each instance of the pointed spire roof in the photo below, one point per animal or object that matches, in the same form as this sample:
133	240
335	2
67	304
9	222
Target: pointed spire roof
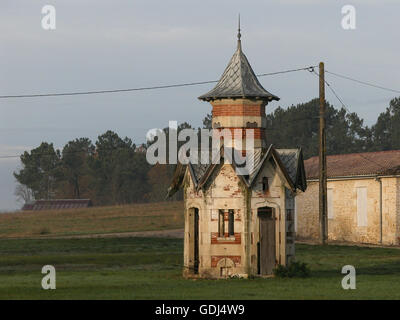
238	80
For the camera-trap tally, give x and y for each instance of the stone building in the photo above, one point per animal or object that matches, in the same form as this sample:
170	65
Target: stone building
57	204
363	198
240	224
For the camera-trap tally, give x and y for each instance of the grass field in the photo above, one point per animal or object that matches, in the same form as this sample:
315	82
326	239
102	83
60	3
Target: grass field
95	220
150	268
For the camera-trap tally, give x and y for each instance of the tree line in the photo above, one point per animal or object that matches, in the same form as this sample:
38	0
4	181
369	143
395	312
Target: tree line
114	170
298	126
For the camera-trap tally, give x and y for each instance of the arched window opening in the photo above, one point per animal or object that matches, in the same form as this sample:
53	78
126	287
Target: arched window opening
265	185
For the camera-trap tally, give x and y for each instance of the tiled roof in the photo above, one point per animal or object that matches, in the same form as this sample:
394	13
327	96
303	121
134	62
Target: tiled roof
289	158
57	204
199	170
238	81
356	164
291	162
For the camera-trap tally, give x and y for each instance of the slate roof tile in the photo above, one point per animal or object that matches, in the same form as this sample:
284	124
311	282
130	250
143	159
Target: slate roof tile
356	164
238	81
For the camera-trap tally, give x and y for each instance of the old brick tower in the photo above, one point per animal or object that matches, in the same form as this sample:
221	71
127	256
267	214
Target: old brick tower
240	225
239	100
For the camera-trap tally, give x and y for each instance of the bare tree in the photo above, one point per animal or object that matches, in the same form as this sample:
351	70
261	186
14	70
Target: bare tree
23	194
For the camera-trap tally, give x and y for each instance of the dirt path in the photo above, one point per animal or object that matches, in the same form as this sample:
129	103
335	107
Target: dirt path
173	233
351	244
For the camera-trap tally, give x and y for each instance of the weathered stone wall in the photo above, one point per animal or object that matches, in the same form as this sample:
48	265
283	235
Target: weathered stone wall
343	225
390	210
227	191
398	211
274	198
214	252
307	213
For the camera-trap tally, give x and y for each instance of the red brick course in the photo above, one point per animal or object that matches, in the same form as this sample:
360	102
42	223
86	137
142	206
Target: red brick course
214	238
226	216
259	133
215	259
238	110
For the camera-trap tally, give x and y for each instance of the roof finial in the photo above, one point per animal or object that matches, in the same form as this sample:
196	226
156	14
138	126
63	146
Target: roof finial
239	35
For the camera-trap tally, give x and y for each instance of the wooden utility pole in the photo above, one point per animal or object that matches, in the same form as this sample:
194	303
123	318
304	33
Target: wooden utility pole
323	203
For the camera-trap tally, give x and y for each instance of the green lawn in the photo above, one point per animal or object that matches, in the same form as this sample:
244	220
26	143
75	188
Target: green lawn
142	268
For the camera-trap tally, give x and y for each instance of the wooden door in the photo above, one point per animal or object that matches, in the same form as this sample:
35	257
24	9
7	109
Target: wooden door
267	244
193	240
196	241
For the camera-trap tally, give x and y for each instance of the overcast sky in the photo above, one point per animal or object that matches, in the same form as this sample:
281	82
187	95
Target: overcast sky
101	44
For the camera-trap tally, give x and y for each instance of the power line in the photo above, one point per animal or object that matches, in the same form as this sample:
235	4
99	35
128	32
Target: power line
285	71
340	100
337	96
310	69
362	82
333	91
374	162
140	88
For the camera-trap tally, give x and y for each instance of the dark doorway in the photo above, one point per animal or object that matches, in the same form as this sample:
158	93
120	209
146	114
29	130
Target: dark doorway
266	245
194	240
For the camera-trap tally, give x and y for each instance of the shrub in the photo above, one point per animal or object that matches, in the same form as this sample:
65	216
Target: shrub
295	269
44	231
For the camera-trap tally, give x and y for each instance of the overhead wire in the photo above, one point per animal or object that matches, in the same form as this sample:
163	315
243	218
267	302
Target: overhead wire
57	94
311	69
362	82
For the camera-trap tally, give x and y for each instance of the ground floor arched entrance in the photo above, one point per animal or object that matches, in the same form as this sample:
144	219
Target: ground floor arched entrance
266	252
